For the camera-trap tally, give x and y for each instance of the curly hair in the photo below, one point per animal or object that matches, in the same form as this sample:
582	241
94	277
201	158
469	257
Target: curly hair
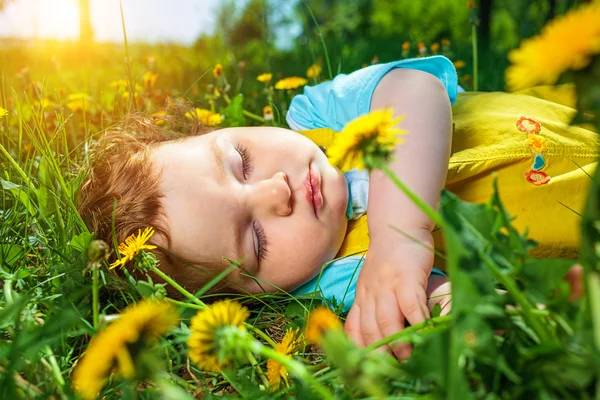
121	185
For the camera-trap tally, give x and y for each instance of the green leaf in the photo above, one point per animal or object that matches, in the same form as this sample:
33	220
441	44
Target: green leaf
45	195
10	254
20	194
81	242
544	278
234	112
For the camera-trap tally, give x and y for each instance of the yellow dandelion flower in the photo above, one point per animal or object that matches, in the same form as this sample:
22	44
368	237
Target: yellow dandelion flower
159	117
44	103
126	95
565	43
268	113
459	64
119	84
149	79
217	70
206	117
264	78
320	321
289	345
293	82
372	135
435	47
313	72
445	42
3	112
406	46
140	324
202	343
536	143
133	245
78	102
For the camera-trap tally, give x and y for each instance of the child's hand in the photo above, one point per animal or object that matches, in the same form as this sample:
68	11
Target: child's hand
439	292
391	288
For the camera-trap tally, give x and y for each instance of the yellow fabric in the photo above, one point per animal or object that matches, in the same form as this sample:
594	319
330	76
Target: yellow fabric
487	145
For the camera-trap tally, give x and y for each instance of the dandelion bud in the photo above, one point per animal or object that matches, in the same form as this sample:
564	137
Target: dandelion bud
97	250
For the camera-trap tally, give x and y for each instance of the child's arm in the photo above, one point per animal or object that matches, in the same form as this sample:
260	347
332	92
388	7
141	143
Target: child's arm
392	284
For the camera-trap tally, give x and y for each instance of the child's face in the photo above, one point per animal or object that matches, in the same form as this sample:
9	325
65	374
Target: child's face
250	193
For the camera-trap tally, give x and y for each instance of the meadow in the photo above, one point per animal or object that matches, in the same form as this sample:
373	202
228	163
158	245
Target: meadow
73	328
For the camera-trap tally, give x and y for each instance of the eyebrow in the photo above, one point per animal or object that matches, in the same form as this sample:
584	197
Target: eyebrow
218	157
237	230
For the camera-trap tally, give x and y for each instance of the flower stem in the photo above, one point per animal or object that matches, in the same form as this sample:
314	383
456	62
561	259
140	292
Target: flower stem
260	333
526	307
178	287
17	167
186	305
258	369
475	57
95	289
293	367
593	288
426	208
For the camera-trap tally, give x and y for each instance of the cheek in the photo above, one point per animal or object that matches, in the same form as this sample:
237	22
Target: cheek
313	244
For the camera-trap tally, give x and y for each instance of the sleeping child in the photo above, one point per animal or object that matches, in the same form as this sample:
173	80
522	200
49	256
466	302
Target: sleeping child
269	197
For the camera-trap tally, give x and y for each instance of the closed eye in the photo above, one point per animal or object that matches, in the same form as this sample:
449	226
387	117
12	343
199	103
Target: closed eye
246	161
260	241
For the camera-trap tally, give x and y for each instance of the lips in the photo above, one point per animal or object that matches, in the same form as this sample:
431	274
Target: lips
312	185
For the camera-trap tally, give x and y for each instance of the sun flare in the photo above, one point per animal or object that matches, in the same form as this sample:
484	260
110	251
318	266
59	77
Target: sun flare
58	19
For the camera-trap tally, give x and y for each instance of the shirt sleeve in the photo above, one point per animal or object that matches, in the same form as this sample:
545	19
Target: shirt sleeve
333	103
336	284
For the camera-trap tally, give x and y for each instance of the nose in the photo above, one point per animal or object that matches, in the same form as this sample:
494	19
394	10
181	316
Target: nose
272	196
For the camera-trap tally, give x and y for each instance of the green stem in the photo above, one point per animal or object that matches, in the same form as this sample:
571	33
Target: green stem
131	88
186	305
520	299
593	287
260	333
95	303
200	305
258	369
293	367
322	40
426	208
17	167
475	57
178	287
55	368
8	290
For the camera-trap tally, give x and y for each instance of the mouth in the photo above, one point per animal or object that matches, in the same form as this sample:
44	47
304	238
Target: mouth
312	185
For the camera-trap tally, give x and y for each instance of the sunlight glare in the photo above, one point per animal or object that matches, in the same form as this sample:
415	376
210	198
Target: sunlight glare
58	18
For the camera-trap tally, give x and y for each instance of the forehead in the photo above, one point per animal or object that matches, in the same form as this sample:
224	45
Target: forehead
194	200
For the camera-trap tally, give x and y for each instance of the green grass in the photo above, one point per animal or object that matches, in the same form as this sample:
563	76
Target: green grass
47	291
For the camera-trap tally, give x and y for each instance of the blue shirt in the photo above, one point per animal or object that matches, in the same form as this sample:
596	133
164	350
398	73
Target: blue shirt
331	105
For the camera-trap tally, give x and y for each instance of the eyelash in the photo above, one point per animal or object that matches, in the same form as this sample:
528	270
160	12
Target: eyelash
262	241
246	160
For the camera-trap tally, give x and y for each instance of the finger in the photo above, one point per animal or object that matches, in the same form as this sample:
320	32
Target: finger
368	324
446	304
390	320
352	325
575	278
413	305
